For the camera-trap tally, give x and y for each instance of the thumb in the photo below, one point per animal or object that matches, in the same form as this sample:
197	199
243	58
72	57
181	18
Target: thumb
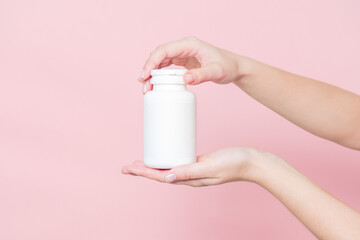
186	172
210	72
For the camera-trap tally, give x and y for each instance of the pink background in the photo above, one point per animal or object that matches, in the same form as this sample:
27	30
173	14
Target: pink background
71	116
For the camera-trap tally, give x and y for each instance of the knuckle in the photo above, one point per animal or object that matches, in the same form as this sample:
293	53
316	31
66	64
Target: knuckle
192	38
160	47
152	53
157	56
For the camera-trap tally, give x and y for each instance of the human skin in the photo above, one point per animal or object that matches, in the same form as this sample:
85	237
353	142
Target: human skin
324	110
325	216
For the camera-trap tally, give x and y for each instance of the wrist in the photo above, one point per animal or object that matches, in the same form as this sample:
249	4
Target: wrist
263	165
246	69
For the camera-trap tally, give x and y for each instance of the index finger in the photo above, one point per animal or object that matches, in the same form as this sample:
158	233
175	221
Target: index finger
138	168
182	48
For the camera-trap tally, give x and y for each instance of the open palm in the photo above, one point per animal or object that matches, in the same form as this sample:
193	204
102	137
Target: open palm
225	165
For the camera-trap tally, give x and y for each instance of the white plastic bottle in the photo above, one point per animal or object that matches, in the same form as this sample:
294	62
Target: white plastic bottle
169	121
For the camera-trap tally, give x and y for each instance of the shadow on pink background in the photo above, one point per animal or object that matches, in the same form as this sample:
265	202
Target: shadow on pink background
71	116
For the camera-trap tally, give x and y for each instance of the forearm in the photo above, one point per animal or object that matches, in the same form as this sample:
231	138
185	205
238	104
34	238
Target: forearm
320	108
324	215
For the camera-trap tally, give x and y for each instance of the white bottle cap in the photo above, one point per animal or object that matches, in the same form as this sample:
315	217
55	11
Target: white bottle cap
167	76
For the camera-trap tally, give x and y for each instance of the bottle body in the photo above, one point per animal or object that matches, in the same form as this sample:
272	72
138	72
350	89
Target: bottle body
169	126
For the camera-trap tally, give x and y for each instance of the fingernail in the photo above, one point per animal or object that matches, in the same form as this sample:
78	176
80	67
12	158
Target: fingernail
170	178
189	78
124	170
142	74
144	88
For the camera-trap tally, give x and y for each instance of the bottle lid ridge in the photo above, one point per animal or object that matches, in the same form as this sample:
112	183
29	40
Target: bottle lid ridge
167	76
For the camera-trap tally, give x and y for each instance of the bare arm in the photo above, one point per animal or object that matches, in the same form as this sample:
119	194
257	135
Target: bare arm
322	109
324	215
